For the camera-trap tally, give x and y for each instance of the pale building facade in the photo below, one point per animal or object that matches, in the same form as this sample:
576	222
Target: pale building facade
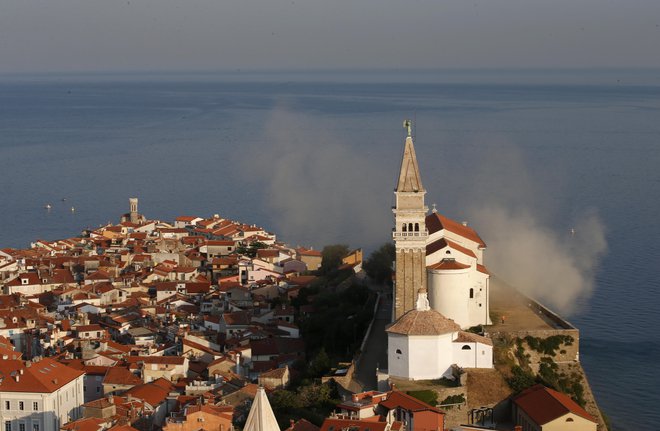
39	396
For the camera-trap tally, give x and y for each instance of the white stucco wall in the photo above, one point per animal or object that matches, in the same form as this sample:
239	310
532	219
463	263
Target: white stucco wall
449	294
568	422
478	356
422	357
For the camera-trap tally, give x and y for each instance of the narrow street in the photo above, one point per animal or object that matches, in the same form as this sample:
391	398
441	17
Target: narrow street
375	350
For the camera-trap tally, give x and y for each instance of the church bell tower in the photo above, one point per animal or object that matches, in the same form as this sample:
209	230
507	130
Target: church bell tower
409	231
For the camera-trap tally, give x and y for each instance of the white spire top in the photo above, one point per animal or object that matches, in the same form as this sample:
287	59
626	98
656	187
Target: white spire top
261	417
422	301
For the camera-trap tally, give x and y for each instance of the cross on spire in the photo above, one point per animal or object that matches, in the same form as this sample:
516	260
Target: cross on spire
407	124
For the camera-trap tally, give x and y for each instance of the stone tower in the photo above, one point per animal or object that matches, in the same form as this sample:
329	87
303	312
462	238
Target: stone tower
409	231
133	202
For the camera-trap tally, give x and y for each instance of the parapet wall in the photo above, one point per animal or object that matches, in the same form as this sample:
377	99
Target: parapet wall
556	326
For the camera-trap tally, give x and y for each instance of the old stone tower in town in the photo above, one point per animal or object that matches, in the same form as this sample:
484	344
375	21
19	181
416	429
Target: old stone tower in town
410	234
435	254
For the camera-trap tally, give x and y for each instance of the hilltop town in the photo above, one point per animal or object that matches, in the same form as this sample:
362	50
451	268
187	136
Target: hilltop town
206	323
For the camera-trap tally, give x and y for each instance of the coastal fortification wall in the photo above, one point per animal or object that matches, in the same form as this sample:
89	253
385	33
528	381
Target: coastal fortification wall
556	327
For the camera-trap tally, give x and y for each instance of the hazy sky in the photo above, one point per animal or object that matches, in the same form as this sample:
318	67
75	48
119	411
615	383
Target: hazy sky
110	35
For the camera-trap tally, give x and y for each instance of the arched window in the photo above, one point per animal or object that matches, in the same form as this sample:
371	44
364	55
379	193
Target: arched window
471	293
410	227
398	351
569	419
405	228
466	347
416	227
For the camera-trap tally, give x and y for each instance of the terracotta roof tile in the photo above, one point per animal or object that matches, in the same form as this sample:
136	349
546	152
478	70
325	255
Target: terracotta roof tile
543	404
428	322
436	222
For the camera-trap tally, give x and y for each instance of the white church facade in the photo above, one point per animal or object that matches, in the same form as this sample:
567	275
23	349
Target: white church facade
441	286
424	345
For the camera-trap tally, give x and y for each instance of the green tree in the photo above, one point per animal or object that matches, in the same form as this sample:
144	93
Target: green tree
284	400
331	257
379	264
250	251
320	364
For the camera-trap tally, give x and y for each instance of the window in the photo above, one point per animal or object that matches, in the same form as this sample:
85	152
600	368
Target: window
35	427
471	293
398	351
35	406
7	405
569	419
21	426
466	347
21	406
7	425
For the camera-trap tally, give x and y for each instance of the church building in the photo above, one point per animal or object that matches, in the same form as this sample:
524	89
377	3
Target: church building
441	285
436	254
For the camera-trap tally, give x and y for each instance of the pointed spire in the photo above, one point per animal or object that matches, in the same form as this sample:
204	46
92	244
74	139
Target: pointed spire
409	177
261	416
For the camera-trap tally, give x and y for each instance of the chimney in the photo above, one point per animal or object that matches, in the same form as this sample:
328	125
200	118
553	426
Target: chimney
464	223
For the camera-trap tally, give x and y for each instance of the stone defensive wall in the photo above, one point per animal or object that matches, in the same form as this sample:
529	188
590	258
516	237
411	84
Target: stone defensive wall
547	324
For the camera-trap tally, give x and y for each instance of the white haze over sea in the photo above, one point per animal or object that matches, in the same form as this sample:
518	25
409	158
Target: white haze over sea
321	189
557	172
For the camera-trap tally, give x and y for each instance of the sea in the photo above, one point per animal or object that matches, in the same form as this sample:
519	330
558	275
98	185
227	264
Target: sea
313	156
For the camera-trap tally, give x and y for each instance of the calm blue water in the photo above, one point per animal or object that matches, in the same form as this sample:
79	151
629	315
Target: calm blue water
316	161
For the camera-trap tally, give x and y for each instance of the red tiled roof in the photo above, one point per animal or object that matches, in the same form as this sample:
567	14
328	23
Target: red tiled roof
482	269
121	376
85	424
444	242
399	399
44	376
303	425
423	322
153	393
543	404
447	264
436	222
331	424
